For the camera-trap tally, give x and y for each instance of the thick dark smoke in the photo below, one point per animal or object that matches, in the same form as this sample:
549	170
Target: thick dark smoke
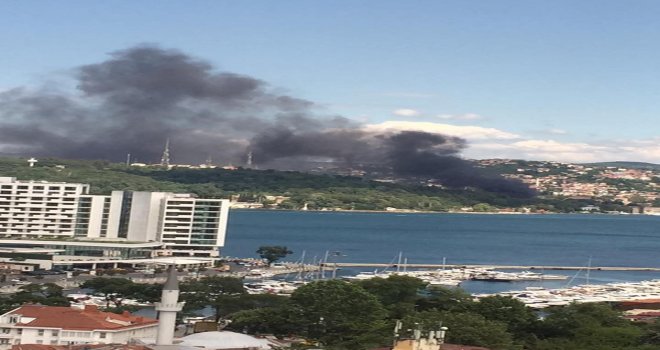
137	99
141	96
409	154
434	156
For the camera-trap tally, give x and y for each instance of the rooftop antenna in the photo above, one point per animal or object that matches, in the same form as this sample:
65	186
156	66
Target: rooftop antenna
441	334
165	159
31	162
397	329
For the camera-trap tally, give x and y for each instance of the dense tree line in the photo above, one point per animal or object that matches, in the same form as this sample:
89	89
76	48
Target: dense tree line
360	315
343	315
302	189
315	191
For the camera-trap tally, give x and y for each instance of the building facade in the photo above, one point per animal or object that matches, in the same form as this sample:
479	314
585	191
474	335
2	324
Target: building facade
186	225
59	325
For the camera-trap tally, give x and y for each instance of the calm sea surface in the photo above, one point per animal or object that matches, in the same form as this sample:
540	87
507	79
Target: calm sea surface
606	240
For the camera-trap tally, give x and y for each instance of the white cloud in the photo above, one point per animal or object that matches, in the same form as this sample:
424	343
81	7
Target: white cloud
404	94
578	152
406	112
467	116
540	150
556	131
464	131
495	143
555	146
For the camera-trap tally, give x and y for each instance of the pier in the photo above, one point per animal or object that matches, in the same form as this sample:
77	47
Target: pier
493	267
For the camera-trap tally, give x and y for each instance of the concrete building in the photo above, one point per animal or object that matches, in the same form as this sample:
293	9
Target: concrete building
186	225
58	325
29	209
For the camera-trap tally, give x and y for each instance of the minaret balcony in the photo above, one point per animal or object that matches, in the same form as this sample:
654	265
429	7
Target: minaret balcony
176	307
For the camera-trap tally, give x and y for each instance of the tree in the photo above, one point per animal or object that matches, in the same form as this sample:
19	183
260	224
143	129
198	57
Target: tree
220	293
342	314
590	326
115	290
519	318
448	299
397	293
46	290
46	294
464	328
482	208
273	253
280	321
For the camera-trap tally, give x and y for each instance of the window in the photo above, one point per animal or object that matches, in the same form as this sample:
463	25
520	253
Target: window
4	341
19	331
6	330
55	333
40	341
53	342
41	332
102	335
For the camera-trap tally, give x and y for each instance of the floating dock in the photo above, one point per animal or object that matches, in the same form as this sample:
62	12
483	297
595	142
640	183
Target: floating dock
332	265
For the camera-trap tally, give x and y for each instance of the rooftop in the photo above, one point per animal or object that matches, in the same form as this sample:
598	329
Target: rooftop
89	318
224	340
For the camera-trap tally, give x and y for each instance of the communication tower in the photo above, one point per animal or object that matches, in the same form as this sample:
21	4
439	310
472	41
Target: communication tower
248	163
165	159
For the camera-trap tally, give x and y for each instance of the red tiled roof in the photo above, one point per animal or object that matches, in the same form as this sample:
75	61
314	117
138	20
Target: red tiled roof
78	319
460	347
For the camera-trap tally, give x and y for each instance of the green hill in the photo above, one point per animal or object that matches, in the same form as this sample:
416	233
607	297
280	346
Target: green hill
317	191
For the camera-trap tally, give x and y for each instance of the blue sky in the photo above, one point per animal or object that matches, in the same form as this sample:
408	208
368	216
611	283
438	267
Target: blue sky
566	80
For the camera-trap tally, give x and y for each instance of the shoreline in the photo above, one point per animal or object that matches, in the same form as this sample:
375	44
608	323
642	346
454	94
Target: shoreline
405	211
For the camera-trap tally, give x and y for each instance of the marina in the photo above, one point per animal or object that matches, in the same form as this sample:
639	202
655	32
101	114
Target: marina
632	292
501	267
621	248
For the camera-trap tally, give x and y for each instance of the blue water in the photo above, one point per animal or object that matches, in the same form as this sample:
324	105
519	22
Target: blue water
606	240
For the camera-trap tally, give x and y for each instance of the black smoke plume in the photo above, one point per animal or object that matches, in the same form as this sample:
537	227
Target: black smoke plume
137	99
141	96
408	154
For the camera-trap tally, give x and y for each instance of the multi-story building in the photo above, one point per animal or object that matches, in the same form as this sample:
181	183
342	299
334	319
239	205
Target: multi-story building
59	325
39	208
61	212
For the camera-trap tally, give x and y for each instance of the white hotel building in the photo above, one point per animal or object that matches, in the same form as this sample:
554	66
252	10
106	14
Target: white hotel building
62	215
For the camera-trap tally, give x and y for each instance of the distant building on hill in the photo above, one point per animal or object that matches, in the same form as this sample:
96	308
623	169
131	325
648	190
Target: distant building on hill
124	224
651	210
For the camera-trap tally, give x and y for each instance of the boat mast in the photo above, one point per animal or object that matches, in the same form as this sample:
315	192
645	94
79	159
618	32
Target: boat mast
588	270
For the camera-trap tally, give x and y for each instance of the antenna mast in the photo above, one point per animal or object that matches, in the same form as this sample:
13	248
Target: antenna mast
165	159
248	163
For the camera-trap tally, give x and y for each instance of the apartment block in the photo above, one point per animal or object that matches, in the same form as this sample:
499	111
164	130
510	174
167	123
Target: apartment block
186	225
39	208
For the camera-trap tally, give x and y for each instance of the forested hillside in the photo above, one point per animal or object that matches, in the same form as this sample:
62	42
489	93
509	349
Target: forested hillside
318	191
